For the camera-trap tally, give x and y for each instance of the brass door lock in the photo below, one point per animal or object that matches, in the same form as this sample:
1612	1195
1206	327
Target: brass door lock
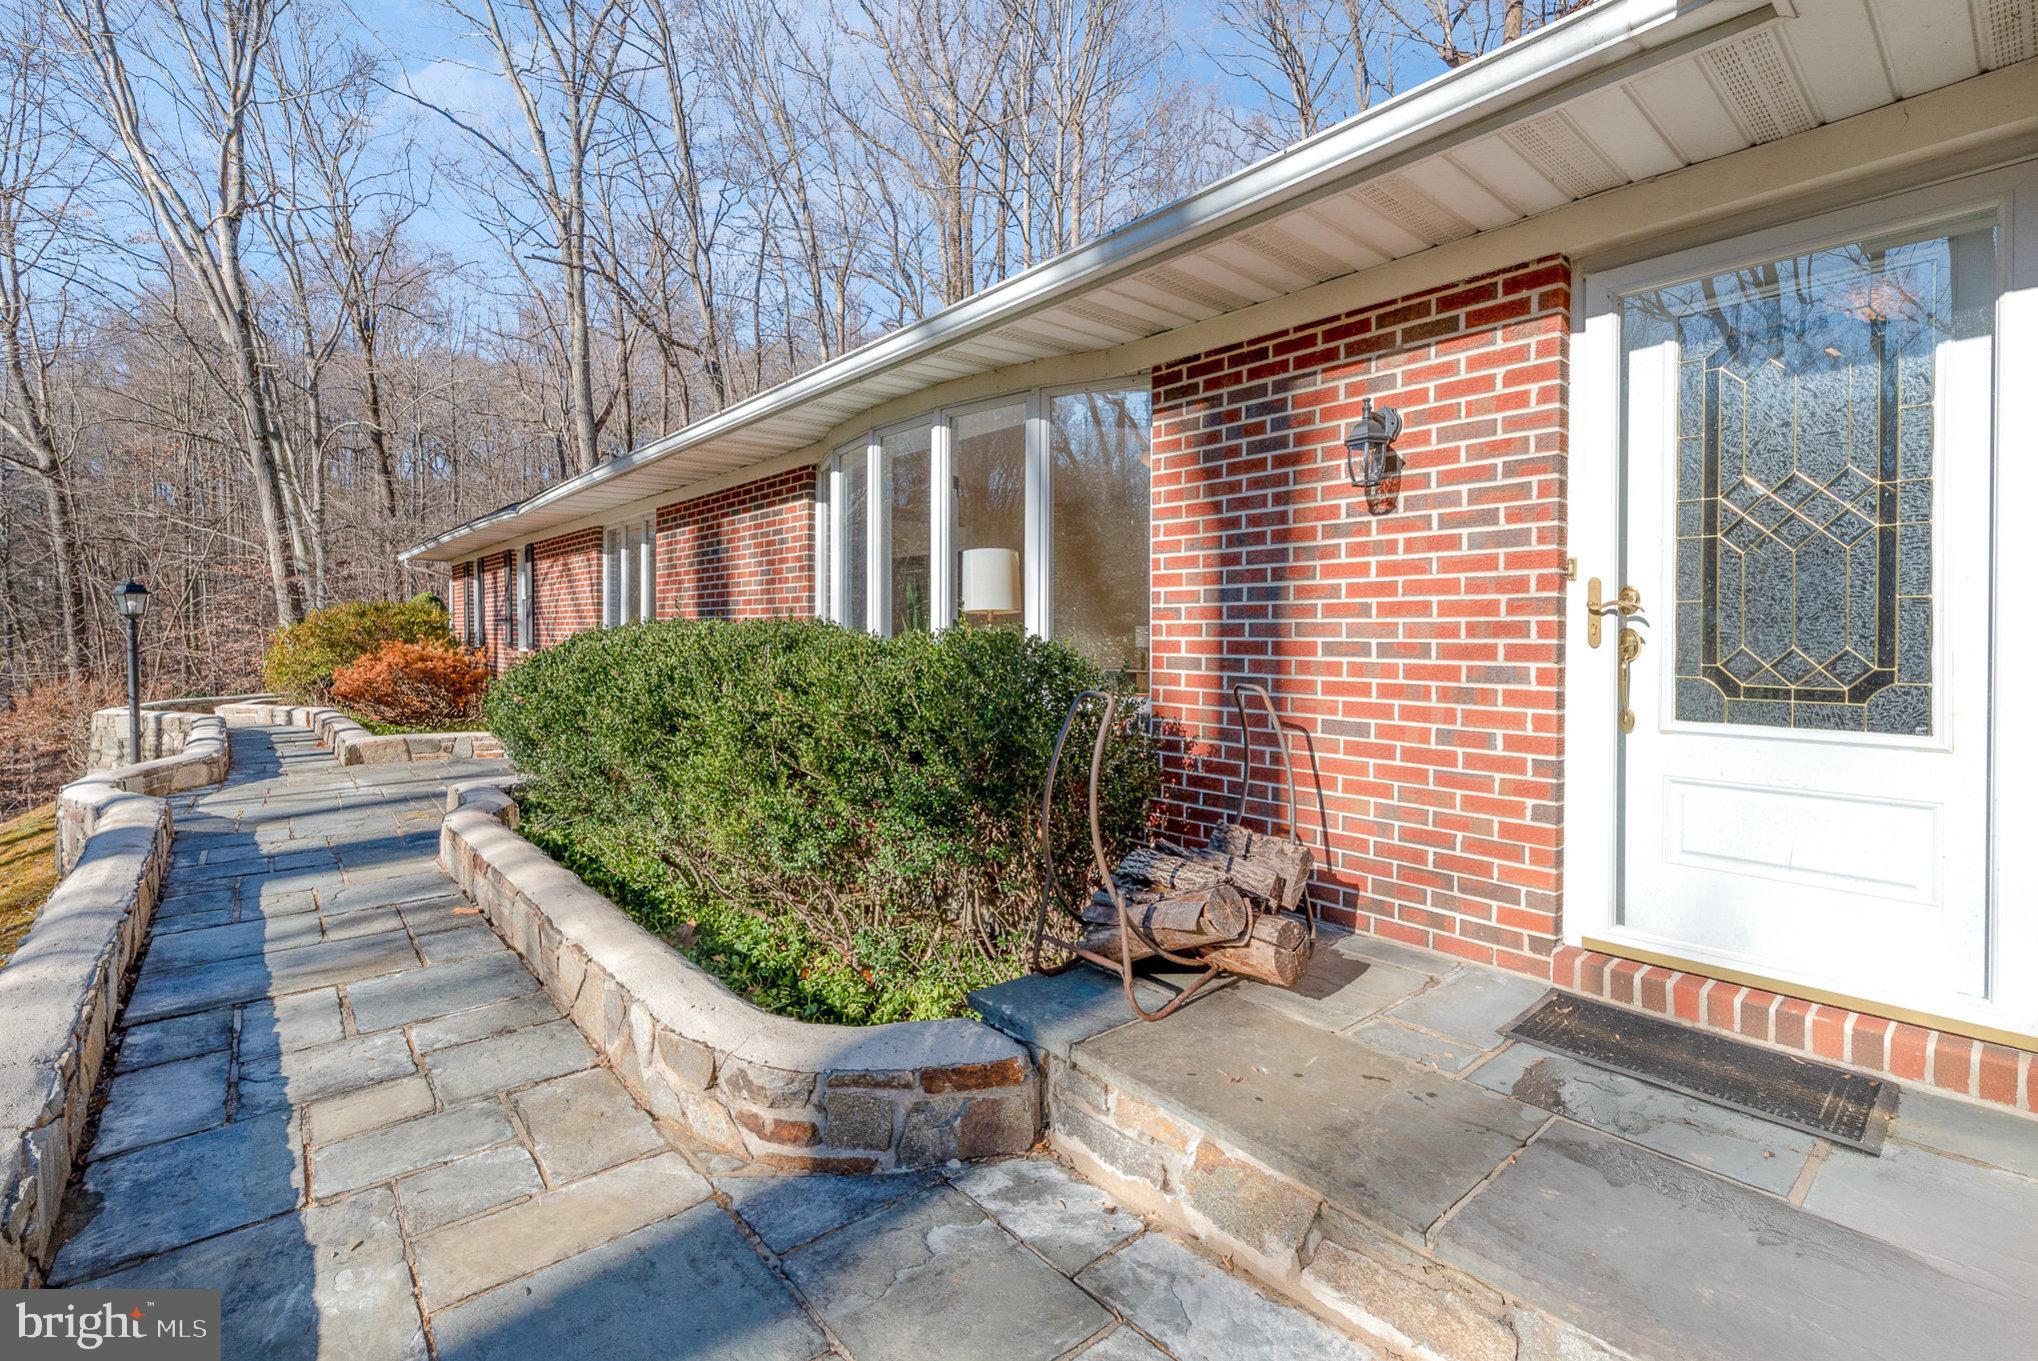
1630	648
1628	602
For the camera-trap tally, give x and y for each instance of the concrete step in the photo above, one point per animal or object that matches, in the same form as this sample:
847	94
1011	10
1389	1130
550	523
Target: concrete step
1373	1147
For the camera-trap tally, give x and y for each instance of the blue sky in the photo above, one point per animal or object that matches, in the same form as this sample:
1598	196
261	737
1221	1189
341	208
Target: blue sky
430	52
426	44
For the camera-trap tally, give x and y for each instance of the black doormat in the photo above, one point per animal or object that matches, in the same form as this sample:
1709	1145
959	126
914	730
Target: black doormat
1814	1097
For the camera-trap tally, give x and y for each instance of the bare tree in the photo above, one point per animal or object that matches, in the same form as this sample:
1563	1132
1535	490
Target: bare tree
252	346
684	209
806	248
935	81
38	188
561	61
345	189
205	58
1295	52
1087	116
1459	30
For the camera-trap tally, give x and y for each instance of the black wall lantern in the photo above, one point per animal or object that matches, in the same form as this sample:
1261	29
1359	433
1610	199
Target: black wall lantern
1367	445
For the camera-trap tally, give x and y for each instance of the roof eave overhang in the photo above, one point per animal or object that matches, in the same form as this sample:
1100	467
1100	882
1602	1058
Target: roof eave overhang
1598	43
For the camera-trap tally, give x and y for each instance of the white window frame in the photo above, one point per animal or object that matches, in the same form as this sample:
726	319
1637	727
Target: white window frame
831	505
867	450
824	539
1033	538
629	579
527	612
477	628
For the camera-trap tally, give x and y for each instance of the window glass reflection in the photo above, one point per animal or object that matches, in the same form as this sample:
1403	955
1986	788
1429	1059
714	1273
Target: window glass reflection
908	501
990	515
853	560
1100	469
1806	412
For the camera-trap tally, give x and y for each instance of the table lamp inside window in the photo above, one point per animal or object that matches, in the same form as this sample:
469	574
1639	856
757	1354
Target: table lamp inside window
992	592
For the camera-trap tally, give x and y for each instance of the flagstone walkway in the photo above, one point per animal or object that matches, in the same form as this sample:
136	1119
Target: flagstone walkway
341	1101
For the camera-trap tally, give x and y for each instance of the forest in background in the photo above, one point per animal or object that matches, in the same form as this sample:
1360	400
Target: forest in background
287	285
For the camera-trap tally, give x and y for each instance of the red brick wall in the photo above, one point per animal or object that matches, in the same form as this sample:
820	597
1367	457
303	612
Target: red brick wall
497	606
744	553
566	585
456	602
497	609
1420	638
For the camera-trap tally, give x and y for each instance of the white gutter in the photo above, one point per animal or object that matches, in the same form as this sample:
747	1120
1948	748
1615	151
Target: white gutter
1580	46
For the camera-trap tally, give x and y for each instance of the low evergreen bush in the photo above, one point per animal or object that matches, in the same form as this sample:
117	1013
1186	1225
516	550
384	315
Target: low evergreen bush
303	657
841	826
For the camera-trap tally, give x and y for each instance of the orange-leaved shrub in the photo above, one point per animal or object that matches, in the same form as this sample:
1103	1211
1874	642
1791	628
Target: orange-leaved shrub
413	684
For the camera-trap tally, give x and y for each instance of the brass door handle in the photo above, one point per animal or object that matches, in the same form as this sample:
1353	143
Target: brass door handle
1628	602
1630	648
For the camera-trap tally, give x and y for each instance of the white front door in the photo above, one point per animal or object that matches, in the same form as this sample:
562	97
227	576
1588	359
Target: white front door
1806	516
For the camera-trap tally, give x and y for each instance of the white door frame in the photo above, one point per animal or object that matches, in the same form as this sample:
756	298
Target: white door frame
1592	773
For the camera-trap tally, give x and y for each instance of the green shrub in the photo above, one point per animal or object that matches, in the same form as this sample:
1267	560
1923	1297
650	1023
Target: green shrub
303	657
842	826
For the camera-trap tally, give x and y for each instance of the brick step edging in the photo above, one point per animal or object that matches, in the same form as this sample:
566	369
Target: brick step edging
1939	1059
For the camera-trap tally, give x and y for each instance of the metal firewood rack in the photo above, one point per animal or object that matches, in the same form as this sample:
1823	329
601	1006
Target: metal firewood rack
1128	923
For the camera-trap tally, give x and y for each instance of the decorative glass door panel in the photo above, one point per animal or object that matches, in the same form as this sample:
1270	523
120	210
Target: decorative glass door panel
1808	463
1805	418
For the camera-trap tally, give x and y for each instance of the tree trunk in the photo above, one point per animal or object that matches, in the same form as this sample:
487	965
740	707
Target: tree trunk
261	455
60	517
580	354
378	433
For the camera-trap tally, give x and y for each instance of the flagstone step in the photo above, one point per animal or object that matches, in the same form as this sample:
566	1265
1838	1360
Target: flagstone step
1372	1146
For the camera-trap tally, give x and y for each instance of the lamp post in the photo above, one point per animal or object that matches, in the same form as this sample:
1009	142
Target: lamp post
132	602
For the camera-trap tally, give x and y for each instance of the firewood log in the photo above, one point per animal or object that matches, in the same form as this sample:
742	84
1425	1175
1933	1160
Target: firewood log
1289	858
1277	953
1180	873
1102	940
1179	921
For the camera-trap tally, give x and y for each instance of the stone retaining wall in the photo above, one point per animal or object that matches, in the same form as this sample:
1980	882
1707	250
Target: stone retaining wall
785	1092
353	745
166	724
82	803
62	990
1316	1253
